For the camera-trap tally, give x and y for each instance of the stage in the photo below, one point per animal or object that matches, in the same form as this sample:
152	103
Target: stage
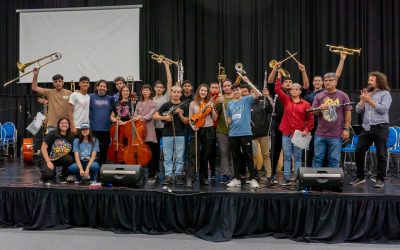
214	212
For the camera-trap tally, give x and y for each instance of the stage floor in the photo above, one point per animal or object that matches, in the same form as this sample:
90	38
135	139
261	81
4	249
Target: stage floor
14	173
213	212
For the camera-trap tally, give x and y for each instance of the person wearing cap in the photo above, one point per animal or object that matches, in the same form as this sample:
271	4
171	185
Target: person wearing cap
295	117
85	148
79	102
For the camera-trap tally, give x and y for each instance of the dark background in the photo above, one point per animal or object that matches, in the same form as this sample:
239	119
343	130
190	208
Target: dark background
205	32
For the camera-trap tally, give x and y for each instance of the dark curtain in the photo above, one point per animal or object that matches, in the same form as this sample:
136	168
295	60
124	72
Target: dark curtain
205	32
210	216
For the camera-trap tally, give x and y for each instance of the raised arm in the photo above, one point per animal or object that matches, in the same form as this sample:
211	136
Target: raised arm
340	65
35	86
306	82
169	77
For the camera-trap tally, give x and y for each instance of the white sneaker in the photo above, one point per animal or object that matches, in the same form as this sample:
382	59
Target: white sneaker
234	183
253	183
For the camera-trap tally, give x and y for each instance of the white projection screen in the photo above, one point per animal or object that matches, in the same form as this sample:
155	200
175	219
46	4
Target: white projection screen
100	42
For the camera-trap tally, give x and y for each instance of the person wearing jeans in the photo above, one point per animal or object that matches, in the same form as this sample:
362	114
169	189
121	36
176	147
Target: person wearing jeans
295	117
333	109
333	146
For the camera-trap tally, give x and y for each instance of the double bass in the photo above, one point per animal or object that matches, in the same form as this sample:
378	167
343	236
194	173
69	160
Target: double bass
137	151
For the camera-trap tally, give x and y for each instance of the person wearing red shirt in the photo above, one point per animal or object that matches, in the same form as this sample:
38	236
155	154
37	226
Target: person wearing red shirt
295	117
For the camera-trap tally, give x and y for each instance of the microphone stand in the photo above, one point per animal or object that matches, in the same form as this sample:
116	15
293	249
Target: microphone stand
271	133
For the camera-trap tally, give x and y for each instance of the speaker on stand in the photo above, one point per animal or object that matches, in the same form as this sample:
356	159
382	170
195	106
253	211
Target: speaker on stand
121	175
320	179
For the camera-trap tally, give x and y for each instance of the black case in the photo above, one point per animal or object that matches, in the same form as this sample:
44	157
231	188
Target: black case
320	179
121	175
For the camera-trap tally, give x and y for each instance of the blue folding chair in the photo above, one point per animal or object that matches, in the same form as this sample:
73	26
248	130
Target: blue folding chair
395	150
10	138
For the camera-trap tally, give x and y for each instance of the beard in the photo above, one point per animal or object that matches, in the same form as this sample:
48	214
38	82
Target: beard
370	88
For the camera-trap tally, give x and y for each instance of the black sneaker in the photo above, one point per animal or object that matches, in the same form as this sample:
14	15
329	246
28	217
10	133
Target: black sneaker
189	183
179	180
285	182
167	180
379	184
358	181
62	179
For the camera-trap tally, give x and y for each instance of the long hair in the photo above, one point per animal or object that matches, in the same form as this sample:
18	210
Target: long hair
68	134
197	98
146	86
120	92
381	80
90	137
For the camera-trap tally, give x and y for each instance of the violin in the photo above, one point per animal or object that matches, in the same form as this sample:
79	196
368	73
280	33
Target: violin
199	118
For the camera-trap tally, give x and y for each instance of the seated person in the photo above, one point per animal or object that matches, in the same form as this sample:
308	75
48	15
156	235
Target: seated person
86	148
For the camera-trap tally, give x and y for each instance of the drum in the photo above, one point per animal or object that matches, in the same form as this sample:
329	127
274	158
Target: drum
27	150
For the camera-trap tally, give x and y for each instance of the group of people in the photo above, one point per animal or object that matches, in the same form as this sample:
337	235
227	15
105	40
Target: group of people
237	116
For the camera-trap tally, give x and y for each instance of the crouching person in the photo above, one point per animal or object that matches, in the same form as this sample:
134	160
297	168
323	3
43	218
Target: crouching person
85	149
56	149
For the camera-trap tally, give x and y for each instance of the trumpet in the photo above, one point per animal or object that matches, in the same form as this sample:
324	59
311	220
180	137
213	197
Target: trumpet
341	49
241	72
161	58
272	64
22	66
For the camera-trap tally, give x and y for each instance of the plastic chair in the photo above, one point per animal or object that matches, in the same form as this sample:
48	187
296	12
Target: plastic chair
10	137
350	149
395	150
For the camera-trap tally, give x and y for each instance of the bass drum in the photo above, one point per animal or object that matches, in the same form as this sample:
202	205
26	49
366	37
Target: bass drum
27	150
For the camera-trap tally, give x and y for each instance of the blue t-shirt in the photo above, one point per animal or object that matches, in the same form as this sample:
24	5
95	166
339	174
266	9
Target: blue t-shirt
99	112
240	113
85	149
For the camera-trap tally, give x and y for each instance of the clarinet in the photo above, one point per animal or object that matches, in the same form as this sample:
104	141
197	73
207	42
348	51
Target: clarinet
265	86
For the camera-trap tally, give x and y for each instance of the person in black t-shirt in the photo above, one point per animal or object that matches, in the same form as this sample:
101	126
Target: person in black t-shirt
56	150
175	115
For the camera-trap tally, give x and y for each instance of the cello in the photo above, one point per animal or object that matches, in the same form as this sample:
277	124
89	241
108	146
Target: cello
136	151
115	151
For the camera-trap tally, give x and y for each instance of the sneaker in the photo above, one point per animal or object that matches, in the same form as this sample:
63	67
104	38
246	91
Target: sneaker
379	184
225	179
151	180
234	183
253	183
179	180
167	180
358	181
189	183
62	178
70	178
285	182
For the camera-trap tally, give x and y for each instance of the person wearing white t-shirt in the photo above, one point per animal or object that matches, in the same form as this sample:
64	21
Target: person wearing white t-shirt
78	109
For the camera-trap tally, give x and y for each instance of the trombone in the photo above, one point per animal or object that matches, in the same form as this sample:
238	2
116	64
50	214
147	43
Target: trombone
240	71
22	66
341	49
72	86
283	72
